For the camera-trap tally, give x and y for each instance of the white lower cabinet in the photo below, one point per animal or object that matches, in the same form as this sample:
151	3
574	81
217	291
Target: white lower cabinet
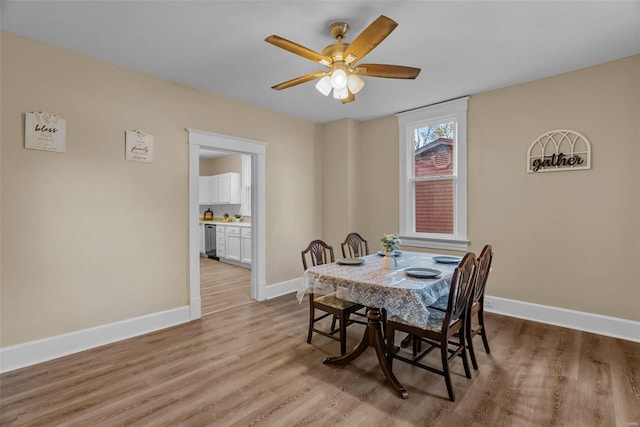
233	243
221	251
245	237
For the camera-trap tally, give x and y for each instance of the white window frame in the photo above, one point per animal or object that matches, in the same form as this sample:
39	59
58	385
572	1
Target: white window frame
455	110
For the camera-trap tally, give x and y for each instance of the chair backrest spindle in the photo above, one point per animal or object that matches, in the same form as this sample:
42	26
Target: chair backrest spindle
319	253
484	266
354	246
461	288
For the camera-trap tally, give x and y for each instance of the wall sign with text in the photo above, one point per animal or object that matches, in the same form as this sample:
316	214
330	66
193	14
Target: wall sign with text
45	131
559	150
138	146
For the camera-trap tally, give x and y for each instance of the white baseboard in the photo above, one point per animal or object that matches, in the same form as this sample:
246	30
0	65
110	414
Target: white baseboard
30	353
582	321
588	322
283	288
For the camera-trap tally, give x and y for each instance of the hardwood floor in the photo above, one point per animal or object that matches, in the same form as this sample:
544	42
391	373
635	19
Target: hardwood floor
251	366
223	286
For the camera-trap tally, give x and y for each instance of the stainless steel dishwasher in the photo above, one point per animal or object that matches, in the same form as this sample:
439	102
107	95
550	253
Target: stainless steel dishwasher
210	241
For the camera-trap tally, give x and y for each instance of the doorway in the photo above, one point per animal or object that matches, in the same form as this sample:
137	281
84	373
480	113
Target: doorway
228	144
225	230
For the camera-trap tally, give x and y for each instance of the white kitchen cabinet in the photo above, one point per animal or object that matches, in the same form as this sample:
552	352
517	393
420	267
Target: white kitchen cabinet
245	238
213	189
232	243
229	188
220	189
208	190
203	189
221	249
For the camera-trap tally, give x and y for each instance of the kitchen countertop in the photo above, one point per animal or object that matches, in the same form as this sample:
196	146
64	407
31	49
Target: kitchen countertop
235	224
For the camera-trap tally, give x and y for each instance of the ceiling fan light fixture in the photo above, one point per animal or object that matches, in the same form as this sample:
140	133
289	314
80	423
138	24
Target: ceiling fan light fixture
339	79
343	73
340	93
354	83
324	85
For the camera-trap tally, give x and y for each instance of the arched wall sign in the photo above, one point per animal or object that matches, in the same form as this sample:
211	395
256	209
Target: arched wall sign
559	150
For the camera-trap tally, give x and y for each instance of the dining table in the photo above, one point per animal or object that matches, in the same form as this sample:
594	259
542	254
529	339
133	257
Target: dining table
406	291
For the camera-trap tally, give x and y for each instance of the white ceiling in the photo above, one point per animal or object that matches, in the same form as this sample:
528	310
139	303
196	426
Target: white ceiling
462	47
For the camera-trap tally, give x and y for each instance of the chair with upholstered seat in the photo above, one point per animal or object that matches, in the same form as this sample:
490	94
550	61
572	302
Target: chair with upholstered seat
319	253
476	307
354	246
441	328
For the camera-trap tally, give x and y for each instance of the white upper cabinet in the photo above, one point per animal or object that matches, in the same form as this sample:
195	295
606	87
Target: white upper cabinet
229	188
203	188
220	189
214	191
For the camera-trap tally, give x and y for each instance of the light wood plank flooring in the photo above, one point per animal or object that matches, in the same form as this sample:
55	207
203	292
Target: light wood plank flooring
251	366
223	286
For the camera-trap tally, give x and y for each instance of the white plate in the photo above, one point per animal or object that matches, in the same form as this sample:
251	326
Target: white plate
422	273
395	253
350	261
447	259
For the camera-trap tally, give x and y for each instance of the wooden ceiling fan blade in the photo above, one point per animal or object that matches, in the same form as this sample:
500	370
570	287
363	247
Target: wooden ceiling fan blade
299	80
387	71
300	50
368	39
349	98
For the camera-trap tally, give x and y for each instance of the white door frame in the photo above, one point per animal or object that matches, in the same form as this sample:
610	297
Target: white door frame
201	139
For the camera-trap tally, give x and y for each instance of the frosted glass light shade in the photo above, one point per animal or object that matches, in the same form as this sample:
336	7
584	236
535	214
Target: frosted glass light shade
339	79
355	83
340	93
324	85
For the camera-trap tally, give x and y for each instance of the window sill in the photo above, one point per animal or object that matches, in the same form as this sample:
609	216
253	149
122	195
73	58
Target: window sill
447	244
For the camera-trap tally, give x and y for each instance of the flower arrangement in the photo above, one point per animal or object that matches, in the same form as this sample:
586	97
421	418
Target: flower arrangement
390	242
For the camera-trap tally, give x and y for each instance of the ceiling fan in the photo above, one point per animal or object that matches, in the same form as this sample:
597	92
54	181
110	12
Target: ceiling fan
343	73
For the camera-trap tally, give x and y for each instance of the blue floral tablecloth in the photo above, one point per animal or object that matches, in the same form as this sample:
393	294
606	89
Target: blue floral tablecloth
371	285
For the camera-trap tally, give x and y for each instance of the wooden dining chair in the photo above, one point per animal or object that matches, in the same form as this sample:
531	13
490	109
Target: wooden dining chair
354	246
319	253
476	307
441	327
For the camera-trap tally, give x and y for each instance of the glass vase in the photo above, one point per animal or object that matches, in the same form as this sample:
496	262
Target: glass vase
389	261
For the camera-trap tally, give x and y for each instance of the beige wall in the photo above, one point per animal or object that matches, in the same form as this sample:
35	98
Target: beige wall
89	238
378	193
565	239
79	239
220	165
339	180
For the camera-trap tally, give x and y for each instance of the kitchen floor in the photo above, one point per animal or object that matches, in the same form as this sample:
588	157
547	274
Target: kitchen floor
223	286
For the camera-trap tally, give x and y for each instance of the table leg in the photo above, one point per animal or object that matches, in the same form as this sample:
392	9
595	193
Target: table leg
372	336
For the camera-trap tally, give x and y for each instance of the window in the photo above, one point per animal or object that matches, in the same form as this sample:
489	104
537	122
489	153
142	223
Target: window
433	176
